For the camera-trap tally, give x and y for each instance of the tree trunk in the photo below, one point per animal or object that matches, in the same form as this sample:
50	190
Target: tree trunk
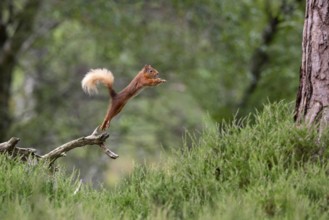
312	104
5	79
15	29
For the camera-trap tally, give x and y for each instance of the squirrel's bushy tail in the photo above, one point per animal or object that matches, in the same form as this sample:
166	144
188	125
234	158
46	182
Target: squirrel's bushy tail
94	77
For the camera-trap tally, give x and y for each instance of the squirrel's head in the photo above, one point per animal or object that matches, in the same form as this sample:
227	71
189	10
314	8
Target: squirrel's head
149	72
150	76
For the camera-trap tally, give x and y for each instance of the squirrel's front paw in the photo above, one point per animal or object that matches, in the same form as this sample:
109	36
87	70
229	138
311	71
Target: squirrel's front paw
155	82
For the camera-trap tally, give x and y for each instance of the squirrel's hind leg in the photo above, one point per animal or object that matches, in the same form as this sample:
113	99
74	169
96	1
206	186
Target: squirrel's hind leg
98	131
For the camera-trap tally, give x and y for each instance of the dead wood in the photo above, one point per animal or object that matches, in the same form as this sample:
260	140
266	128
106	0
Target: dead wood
10	147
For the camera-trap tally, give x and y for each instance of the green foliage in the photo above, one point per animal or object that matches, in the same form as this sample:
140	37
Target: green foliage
262	167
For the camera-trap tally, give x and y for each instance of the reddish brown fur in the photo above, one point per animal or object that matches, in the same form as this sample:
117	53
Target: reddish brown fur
148	76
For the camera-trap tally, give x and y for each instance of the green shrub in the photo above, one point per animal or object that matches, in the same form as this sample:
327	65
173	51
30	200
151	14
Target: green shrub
262	167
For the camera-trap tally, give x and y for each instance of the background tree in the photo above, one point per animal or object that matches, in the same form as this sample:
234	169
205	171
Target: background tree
16	26
313	95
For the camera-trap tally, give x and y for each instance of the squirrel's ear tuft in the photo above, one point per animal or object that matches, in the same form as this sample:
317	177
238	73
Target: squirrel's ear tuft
146	67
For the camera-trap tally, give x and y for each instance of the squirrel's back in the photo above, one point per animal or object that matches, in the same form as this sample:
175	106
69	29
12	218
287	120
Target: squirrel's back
94	77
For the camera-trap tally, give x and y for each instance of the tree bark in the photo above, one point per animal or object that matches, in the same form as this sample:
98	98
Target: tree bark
312	103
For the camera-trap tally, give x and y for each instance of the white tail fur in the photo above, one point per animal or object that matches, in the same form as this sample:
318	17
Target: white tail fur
94	77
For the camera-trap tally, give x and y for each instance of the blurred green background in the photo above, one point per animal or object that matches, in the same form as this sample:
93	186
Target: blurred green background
221	58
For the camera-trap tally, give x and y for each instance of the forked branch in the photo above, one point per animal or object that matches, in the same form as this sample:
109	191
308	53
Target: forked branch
24	153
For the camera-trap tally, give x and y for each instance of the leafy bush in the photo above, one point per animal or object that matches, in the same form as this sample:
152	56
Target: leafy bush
261	167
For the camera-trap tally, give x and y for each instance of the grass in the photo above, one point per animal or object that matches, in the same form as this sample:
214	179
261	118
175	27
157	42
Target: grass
263	167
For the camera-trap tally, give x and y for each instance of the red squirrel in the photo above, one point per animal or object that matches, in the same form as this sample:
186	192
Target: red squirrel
148	76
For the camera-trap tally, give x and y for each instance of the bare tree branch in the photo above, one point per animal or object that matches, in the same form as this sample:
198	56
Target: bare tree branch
10	148
24	153
80	142
9	145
